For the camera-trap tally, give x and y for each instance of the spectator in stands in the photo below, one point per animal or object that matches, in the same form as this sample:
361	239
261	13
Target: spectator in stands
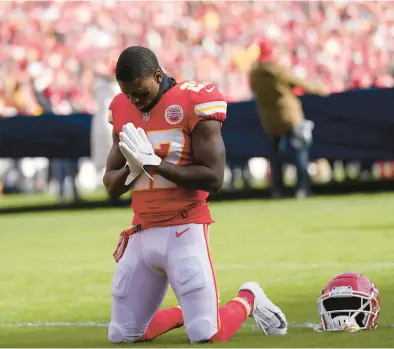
282	117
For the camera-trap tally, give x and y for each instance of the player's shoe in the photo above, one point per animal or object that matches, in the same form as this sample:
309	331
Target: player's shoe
267	315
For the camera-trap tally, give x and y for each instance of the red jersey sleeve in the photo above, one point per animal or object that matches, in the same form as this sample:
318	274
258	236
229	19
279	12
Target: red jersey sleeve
208	104
116	110
110	110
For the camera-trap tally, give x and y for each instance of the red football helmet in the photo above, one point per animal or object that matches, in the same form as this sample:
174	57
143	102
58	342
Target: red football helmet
349	299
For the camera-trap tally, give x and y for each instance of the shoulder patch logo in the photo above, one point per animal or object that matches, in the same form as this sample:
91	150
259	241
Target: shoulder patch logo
174	114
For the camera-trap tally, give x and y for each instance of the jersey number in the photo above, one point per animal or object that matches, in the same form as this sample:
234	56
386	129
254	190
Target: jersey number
193	86
174	141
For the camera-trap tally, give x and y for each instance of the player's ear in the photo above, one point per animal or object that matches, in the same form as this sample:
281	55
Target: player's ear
158	76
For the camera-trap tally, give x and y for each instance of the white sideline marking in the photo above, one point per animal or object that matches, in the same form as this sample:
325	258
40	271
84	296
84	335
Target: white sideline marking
253	326
56	324
105	324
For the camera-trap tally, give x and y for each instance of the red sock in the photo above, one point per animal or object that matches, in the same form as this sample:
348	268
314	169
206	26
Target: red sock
247	296
163	321
232	316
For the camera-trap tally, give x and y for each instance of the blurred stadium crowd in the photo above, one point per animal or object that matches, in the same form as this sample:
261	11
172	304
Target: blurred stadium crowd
55	54
51	51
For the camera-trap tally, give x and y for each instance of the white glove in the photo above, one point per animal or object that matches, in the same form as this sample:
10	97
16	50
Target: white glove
136	147
135	170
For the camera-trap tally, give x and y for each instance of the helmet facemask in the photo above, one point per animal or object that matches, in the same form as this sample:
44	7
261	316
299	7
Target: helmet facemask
343	309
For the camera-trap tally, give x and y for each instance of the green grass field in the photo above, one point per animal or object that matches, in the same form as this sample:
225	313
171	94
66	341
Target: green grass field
56	268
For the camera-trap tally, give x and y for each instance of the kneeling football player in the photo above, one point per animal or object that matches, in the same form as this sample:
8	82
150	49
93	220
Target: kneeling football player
168	148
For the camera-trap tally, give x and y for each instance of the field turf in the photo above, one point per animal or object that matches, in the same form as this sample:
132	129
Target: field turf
56	268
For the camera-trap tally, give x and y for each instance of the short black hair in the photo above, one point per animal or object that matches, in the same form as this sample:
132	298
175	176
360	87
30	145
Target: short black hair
135	62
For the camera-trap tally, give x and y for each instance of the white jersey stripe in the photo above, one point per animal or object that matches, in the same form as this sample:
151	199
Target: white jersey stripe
210	111
210	104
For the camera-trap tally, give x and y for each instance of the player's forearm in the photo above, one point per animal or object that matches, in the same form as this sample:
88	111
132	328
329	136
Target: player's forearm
114	181
191	176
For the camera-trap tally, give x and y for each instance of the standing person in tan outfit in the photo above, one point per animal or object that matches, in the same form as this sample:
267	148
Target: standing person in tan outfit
282	117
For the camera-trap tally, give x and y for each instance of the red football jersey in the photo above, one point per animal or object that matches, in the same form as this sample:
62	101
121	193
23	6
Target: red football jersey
169	126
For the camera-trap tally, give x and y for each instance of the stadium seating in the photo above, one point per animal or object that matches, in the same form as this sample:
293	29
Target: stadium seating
50	51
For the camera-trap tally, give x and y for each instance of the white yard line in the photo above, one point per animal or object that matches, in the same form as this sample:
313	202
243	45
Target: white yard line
314	326
105	324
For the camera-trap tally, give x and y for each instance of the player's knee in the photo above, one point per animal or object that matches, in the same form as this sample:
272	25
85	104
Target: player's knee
200	330
115	334
118	334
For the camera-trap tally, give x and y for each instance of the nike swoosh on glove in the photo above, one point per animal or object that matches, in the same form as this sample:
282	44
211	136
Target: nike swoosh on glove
137	148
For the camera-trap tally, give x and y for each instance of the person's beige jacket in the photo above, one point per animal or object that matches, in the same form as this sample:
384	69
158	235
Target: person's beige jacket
280	109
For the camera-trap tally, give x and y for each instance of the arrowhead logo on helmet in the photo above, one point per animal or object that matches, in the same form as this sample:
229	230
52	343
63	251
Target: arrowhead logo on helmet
349	302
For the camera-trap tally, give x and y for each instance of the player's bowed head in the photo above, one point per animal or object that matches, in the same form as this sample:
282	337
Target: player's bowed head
139	75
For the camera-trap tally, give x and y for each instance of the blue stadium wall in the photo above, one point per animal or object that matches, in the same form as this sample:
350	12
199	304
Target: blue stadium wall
354	125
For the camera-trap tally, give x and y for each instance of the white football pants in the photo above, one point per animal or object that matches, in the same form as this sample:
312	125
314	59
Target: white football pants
154	258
